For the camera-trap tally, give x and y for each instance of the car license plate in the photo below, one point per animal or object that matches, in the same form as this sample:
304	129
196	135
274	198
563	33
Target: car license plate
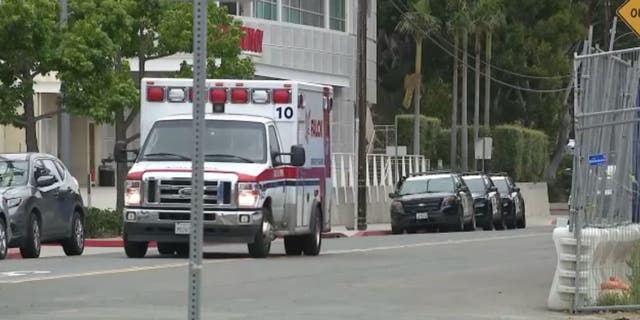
422	216
182	227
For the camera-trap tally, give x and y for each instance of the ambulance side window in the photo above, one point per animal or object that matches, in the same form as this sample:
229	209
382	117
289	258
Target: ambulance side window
274	143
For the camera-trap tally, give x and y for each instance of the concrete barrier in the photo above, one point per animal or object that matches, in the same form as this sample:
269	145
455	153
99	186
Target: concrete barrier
536	199
604	253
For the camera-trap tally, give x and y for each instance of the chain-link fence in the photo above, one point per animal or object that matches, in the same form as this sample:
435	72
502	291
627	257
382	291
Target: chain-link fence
604	205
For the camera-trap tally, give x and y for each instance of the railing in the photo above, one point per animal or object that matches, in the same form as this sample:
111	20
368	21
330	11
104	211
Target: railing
381	171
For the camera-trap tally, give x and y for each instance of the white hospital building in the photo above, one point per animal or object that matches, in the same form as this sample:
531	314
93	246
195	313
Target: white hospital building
306	40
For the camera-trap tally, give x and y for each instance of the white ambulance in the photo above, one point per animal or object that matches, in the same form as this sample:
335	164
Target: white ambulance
267	166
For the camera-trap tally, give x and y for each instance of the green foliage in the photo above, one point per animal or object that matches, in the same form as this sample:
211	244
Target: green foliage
613	298
29	38
634	275
521	152
100	223
429	132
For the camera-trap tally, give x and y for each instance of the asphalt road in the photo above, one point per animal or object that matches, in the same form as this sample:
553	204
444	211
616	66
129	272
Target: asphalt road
472	275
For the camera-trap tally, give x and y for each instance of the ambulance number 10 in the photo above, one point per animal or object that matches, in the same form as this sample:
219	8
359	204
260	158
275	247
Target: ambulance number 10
284	113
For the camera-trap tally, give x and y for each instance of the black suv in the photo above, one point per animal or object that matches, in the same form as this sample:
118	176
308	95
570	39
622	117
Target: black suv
486	200
432	200
512	202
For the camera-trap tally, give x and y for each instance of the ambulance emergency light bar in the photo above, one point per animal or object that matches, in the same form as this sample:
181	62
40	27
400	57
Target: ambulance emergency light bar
220	95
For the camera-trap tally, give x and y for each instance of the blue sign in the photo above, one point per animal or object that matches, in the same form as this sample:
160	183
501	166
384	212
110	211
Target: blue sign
597	159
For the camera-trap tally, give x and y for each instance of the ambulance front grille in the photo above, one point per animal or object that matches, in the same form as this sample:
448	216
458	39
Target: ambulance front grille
177	192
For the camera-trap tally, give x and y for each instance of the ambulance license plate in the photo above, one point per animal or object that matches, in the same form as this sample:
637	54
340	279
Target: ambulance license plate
183	227
422	215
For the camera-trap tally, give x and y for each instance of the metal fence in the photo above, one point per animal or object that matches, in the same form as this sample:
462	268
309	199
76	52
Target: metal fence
604	196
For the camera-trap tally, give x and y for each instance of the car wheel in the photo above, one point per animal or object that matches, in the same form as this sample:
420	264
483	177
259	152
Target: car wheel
471	226
522	223
3	240
166	248
313	241
182	250
488	220
135	249
74	246
459	224
396	230
500	224
293	245
512	220
261	245
31	247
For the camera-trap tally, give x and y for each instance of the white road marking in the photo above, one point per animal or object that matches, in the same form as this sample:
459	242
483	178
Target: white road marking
438	243
335	252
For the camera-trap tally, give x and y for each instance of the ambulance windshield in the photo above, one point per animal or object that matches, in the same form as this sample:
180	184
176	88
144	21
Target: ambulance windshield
224	141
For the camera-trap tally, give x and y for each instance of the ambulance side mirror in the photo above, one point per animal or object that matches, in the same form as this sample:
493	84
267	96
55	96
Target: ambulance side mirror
298	156
120	152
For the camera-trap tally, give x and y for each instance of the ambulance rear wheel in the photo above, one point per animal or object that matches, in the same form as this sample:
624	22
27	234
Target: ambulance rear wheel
261	245
313	241
293	245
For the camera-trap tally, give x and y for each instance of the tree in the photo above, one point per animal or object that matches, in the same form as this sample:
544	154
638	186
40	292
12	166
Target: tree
418	23
459	24
29	37
488	16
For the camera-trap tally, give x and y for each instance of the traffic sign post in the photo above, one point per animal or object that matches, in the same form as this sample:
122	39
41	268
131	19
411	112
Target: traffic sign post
197	167
629	12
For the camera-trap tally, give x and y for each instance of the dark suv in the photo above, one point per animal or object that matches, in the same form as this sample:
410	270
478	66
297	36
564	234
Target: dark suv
432	200
41	203
512	202
486	200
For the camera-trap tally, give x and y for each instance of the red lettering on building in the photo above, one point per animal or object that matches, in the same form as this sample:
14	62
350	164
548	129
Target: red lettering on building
252	40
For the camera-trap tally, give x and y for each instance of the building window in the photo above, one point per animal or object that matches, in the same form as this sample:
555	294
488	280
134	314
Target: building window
306	12
233	7
337	15
266	9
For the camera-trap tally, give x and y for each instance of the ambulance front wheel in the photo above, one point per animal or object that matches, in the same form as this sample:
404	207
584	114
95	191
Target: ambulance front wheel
261	245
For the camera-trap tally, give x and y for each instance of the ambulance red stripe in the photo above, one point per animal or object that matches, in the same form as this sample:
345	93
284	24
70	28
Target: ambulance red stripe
267	175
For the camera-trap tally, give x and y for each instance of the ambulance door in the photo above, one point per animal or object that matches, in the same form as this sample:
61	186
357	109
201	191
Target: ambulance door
278	193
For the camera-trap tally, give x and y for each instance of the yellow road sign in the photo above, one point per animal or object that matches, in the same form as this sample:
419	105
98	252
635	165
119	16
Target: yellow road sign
629	12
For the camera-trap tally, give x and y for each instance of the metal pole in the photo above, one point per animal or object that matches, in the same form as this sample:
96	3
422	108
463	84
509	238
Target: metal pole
65	118
613	33
197	178
362	112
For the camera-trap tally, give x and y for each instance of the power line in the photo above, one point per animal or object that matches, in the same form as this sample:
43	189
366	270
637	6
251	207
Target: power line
427	35
472	57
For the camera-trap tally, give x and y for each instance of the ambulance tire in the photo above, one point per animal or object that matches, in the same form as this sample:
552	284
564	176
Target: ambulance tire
261	245
293	245
313	241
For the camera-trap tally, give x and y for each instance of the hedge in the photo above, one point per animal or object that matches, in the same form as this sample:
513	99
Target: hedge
522	152
102	223
429	132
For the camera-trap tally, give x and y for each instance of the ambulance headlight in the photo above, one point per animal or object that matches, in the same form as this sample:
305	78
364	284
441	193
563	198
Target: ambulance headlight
248	194
132	193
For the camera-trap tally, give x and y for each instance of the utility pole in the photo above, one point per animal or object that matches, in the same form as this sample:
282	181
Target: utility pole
453	158
197	171
487	94
361	103
65	118
465	90
476	110
417	98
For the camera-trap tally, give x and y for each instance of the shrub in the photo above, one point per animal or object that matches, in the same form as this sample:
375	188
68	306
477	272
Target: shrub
521	152
429	133
102	223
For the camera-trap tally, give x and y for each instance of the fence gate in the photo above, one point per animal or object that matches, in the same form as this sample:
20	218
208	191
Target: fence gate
604	196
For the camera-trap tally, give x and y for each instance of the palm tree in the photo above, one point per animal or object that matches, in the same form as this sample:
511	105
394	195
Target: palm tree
419	24
459	25
488	15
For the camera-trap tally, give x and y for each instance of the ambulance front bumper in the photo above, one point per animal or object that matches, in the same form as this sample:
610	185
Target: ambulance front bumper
174	226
